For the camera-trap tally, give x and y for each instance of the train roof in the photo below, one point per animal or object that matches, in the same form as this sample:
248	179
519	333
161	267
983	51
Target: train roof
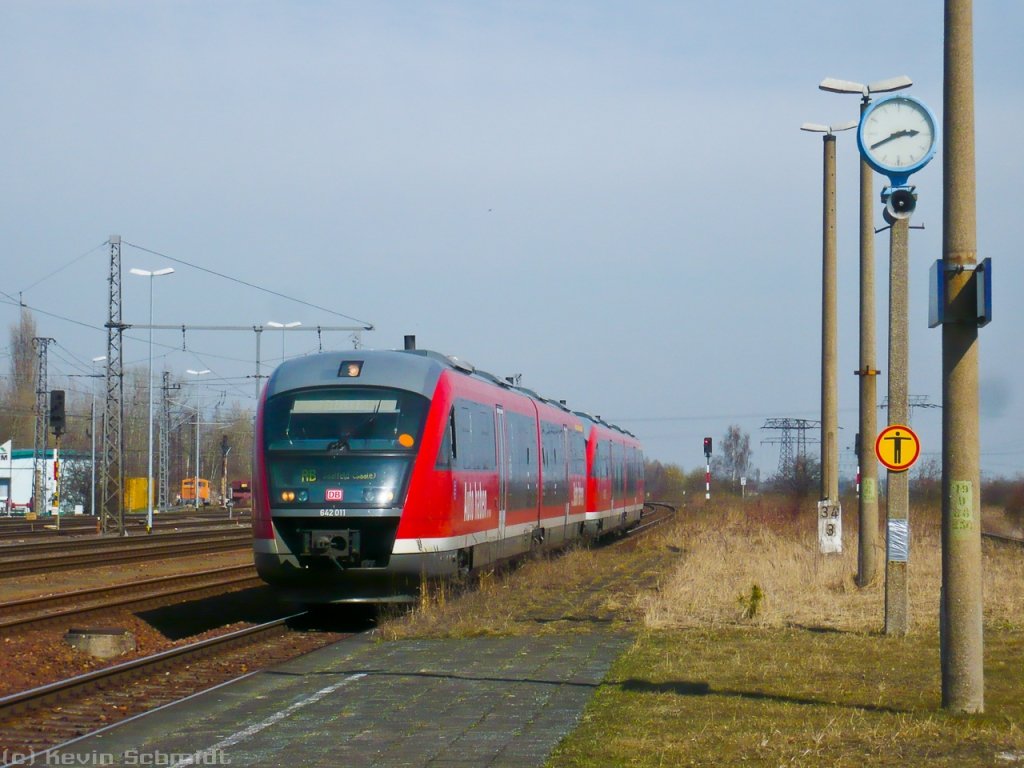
415	370
384	368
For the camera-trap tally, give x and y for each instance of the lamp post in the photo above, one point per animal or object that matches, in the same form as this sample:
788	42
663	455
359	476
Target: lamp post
829	510
195	488
283	327
867	500
92	418
149	420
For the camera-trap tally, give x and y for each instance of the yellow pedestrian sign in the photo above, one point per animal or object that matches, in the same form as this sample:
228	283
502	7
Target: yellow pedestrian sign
897	447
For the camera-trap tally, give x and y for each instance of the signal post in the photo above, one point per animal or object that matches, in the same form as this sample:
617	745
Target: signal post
707	470
897	497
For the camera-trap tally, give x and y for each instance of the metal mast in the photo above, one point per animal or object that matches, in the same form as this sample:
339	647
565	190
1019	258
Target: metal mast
163	480
112	479
41	345
164	448
788	462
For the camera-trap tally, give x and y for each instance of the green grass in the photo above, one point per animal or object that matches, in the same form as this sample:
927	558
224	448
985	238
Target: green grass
771	696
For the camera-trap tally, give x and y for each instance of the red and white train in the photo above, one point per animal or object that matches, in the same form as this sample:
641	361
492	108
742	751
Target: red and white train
376	469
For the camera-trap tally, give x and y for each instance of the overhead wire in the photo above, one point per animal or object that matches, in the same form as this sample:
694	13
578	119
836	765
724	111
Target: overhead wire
369	326
85	366
16	303
61	269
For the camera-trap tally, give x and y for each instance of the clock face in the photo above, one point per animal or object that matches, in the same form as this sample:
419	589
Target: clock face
898	133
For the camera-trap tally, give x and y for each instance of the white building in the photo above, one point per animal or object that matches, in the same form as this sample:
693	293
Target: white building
16	477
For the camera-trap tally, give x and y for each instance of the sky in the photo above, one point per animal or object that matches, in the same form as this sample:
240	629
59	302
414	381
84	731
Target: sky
612	199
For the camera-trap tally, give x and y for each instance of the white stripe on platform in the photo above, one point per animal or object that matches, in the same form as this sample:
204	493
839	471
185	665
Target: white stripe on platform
278	716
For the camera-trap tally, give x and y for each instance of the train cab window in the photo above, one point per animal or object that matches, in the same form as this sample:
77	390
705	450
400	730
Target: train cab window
346	418
341	445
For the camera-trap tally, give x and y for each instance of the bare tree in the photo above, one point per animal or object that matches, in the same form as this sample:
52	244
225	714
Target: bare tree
17	416
736	453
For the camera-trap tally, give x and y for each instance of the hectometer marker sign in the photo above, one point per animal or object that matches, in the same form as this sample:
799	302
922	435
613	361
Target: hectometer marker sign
897	447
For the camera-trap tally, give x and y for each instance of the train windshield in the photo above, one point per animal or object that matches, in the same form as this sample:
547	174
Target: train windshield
346	445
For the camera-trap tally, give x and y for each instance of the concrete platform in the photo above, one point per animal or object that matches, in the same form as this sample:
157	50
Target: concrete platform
468	702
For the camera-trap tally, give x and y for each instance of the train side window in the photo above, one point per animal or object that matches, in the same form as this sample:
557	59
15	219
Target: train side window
447	454
463	434
484	438
578	446
451	433
472	436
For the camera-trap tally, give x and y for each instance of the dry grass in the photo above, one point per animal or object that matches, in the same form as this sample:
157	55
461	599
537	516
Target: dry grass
733	551
796	671
581	589
723	674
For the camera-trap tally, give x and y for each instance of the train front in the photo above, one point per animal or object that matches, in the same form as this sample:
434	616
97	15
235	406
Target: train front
337	436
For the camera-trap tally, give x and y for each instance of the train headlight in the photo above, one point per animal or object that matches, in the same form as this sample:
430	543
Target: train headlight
287	495
301	495
378	495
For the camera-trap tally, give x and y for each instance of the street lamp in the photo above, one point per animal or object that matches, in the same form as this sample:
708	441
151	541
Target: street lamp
283	327
149	421
867	371
195	488
829	510
865	90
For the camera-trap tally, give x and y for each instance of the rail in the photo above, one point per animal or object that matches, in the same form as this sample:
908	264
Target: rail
54	692
36	611
20	559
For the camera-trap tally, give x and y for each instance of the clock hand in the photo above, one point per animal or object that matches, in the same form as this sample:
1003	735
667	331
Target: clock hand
894	135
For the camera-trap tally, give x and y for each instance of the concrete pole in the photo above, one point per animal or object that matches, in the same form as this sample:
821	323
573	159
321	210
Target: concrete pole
897	609
829	380
92	439
259	334
149	417
867	503
195	488
963	681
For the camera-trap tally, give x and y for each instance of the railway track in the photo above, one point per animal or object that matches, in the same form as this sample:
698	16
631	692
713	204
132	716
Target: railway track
660	512
32	613
14	529
1000	537
42	718
20	559
36	720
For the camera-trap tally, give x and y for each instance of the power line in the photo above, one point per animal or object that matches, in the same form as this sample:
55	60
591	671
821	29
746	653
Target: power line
703	417
61	269
15	303
368	326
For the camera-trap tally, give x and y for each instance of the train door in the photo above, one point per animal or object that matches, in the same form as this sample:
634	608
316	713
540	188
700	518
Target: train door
619	492
614	474
503	459
567	462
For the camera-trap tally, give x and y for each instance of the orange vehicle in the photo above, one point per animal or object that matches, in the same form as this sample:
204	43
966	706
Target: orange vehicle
188	495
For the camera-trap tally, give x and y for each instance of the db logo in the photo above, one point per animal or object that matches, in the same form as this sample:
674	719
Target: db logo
334	494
